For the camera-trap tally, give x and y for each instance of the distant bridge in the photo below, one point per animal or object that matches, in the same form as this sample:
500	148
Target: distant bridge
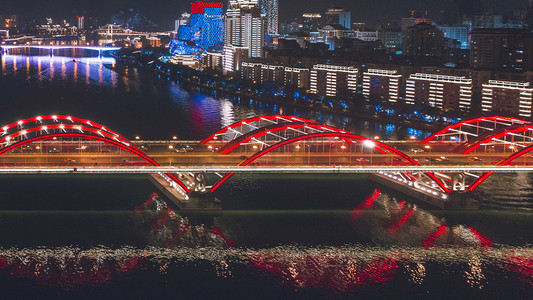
54	47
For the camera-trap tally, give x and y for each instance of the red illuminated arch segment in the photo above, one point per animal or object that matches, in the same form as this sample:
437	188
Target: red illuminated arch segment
274	118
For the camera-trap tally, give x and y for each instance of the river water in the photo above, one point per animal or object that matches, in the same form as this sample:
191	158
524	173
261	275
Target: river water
305	236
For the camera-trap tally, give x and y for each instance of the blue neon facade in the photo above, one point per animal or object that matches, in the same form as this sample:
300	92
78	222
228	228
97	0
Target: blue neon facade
206	27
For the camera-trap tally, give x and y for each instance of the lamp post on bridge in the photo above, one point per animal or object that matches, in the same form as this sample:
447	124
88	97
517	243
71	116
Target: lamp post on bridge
370	144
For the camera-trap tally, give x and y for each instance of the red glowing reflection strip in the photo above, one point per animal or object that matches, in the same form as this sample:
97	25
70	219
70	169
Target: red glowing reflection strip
485	243
430	241
402	221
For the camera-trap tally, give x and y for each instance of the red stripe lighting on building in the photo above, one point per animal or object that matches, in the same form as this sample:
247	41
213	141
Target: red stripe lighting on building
199	7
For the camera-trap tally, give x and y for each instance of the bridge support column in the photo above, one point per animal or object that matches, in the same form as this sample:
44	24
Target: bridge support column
458	182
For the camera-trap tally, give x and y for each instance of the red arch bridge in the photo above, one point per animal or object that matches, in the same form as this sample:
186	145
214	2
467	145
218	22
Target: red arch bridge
441	169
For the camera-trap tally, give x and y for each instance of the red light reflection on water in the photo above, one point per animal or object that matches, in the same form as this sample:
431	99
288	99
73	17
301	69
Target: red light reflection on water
521	264
485	243
69	272
329	272
216	231
358	212
434	236
143	206
400	222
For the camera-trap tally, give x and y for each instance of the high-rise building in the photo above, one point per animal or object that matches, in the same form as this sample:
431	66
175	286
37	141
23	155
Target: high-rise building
444	92
311	22
334	16
392	39
183	27
331	81
381	85
415	16
233	57
245	26
269	8
262	73
297	77
423	40
81	22
204	26
458	33
507	97
10	21
502	49
207	24
487	20
213	60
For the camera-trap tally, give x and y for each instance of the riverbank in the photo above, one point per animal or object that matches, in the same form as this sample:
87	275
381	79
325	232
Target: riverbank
222	86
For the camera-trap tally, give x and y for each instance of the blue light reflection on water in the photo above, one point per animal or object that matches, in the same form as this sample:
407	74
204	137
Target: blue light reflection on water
109	92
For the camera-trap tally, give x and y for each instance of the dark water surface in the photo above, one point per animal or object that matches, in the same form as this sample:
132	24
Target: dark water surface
304	236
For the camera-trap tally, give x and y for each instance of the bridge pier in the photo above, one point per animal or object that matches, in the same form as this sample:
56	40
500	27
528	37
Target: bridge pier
454	200
193	201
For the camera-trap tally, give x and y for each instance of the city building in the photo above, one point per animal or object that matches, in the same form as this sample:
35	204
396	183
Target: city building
204	25
487	20
182	27
502	49
251	71
213	60
458	33
288	28
367	36
207	24
81	22
269	8
297	77
414	17
331	81
245	26
382	85
334	16
311	22
441	91
192	61
423	40
233	57
8	21
507	98
262	73
392	39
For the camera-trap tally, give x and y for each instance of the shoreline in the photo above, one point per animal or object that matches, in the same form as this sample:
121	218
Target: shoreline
374	118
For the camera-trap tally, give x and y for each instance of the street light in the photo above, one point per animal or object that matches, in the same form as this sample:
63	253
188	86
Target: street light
370	144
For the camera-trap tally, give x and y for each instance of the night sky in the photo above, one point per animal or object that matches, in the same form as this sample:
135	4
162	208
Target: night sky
165	11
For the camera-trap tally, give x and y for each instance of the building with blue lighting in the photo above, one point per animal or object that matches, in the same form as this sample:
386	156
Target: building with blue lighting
205	25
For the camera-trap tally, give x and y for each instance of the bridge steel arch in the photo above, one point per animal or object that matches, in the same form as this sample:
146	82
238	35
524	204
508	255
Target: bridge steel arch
504	162
261	120
40	132
472	145
455	129
345	136
295	129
